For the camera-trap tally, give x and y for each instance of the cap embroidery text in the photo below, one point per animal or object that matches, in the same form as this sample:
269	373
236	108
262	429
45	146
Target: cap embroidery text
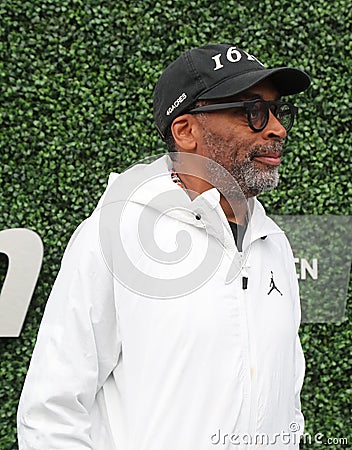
176	103
232	55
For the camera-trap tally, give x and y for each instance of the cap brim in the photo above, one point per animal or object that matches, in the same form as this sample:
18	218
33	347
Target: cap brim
285	79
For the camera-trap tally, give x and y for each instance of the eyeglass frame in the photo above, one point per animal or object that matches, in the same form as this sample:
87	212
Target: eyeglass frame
247	106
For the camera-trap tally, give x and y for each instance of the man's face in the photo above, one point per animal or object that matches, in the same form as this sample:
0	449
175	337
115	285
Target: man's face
252	158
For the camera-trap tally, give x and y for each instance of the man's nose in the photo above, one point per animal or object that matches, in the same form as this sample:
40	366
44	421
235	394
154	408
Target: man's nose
274	129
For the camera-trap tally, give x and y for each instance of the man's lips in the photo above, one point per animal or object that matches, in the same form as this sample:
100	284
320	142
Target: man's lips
271	159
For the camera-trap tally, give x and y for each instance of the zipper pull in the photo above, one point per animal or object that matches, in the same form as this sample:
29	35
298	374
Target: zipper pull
244	273
244	278
244	282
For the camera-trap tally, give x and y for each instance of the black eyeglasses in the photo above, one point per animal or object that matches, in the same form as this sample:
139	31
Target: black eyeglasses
257	112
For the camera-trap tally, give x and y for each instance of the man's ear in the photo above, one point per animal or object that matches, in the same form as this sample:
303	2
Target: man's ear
185	131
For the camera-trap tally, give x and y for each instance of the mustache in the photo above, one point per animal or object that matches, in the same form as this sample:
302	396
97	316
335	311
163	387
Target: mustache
275	148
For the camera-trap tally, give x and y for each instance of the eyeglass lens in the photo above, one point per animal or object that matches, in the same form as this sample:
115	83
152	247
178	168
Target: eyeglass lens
284	115
259	114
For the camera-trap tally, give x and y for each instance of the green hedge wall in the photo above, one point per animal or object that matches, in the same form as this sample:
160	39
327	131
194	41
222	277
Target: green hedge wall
76	80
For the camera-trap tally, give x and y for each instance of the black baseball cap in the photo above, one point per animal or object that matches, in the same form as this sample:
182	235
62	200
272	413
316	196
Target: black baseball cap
215	71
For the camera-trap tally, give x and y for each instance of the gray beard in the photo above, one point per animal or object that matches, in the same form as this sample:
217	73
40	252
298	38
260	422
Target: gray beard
247	179
251	180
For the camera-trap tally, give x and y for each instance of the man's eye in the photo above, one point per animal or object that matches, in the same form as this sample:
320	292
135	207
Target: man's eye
255	113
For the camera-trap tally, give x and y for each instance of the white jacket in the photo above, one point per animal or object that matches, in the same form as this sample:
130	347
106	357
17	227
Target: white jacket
155	344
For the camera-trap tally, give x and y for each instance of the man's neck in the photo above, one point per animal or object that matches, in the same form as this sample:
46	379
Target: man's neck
236	211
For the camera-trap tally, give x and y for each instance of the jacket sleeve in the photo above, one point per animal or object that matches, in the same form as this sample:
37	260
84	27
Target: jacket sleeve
77	347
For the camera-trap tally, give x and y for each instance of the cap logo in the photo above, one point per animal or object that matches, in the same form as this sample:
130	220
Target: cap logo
233	56
176	103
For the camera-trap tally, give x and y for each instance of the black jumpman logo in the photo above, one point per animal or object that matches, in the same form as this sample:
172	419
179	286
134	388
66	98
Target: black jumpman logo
273	285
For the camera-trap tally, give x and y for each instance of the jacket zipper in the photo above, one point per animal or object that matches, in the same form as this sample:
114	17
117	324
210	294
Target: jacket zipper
250	350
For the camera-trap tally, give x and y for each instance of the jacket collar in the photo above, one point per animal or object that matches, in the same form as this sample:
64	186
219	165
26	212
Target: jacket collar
151	185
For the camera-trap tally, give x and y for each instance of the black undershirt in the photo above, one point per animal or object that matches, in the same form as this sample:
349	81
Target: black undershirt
238	232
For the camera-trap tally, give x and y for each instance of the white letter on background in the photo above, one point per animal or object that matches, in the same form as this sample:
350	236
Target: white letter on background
24	249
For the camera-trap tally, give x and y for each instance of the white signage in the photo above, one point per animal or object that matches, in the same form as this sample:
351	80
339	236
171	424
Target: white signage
24	250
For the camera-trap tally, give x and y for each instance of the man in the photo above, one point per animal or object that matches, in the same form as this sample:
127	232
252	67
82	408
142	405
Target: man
173	321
